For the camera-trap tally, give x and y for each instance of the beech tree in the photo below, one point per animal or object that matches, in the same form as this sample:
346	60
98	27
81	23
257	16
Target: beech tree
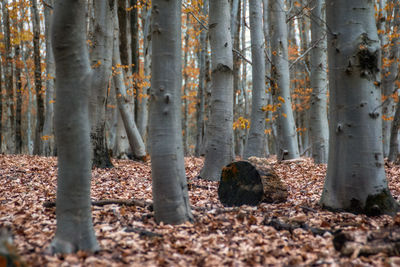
74	220
101	61
219	128
286	128
255	140
355	180
318	104
170	195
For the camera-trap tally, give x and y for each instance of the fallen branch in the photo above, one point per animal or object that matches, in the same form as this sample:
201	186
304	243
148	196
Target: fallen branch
279	226
139	203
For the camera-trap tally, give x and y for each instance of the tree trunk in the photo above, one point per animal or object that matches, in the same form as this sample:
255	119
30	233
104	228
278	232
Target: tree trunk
319	129
74	220
389	77
134	138
170	195
185	121
394	137
286	139
219	129
201	89
8	129
48	128
18	112
101	61
37	148
255	140
142	113
355	180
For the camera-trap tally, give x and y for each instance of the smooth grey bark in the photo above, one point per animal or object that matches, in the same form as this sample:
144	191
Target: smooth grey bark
132	132
255	139
355	180
48	127
319	130
38	143
220	126
286	128
18	113
394	138
74	218
170	195
8	129
200	129
101	61
185	120
390	65
142	113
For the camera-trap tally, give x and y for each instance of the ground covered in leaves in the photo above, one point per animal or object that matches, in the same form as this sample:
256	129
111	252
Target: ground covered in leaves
129	236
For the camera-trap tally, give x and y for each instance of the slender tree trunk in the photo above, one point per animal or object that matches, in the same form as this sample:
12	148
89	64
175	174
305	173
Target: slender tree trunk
48	128
134	138
219	129
185	121
201	89
143	94
19	91
170	195
101	61
9	112
286	128
37	149
318	104
255	140
394	137
355	178
74	220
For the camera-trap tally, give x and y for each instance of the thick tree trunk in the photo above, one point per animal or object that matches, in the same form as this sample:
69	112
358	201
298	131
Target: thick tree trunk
101	61
170	195
185	121
74	220
37	148
319	130
134	138
8	129
286	128
200	129
219	129
48	128
255	140
355	178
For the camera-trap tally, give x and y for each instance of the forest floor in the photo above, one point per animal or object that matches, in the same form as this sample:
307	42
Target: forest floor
129	236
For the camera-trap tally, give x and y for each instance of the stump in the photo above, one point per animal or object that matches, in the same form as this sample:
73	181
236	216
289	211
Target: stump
243	183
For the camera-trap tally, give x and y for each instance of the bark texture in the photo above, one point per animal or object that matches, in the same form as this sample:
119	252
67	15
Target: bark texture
170	195
219	129
356	180
74	220
48	127
37	148
318	105
286	128
255	140
101	59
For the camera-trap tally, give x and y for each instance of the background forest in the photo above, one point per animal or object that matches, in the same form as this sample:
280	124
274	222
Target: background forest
94	81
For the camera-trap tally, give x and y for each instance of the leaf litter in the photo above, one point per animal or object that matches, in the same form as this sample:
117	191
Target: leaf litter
219	236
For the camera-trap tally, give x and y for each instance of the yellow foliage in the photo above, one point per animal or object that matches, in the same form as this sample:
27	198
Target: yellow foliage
241	123
284	115
281	99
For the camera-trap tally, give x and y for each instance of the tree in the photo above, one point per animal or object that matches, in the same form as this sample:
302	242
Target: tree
219	128
101	61
318	104
123	102
355	178
48	127
8	128
171	201
38	144
255	140
74	220
286	128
